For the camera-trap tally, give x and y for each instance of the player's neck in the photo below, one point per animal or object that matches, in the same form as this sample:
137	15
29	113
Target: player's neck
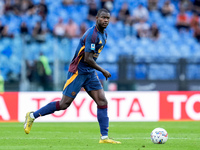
100	29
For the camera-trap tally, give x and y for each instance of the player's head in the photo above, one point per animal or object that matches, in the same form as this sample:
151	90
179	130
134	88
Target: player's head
102	18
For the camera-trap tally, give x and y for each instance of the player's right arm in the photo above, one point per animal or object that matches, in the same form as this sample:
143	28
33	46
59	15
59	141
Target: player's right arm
90	44
88	58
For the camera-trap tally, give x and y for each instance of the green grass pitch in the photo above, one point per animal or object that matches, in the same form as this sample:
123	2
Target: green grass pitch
85	136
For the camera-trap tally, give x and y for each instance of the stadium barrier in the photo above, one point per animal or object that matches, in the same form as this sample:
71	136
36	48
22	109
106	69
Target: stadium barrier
123	106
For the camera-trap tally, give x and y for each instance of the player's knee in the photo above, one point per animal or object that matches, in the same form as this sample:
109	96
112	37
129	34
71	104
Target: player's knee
65	102
102	102
65	105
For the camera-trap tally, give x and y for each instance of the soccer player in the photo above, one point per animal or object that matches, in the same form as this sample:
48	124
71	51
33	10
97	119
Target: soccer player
82	73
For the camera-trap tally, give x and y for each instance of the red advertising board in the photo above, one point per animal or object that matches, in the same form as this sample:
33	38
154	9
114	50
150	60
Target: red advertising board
180	105
9	106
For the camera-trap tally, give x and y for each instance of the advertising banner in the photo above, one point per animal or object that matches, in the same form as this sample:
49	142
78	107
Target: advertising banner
9	106
122	106
180	105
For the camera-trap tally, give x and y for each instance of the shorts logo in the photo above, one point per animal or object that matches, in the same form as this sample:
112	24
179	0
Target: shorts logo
92	46
73	93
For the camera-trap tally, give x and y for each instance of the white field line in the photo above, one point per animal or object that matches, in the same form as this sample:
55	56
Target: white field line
35	138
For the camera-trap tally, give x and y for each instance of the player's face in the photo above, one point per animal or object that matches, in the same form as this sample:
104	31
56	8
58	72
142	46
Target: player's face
103	19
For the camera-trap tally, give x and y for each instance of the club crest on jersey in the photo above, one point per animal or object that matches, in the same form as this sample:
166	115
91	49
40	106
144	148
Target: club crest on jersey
73	93
99	51
92	46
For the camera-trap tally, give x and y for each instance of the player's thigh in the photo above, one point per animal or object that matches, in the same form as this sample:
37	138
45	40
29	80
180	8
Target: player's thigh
73	84
94	88
98	96
92	83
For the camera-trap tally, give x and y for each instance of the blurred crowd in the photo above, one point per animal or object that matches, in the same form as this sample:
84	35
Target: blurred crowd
32	15
187	17
35	20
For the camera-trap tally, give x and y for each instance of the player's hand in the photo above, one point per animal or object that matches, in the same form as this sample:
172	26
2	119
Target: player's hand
106	74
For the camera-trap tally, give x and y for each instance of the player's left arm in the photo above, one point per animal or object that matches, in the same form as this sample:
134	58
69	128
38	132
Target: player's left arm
88	58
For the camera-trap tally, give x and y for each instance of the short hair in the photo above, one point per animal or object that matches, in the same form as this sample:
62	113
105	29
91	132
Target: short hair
102	10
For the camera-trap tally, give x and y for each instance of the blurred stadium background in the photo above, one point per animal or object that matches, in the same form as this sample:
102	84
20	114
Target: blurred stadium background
152	44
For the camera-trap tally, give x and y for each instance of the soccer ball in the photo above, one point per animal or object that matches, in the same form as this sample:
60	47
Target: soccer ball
159	136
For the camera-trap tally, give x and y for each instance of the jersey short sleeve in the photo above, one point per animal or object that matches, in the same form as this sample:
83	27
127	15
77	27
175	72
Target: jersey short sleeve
90	42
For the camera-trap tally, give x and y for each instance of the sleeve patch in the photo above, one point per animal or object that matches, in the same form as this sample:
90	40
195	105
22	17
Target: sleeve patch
92	46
